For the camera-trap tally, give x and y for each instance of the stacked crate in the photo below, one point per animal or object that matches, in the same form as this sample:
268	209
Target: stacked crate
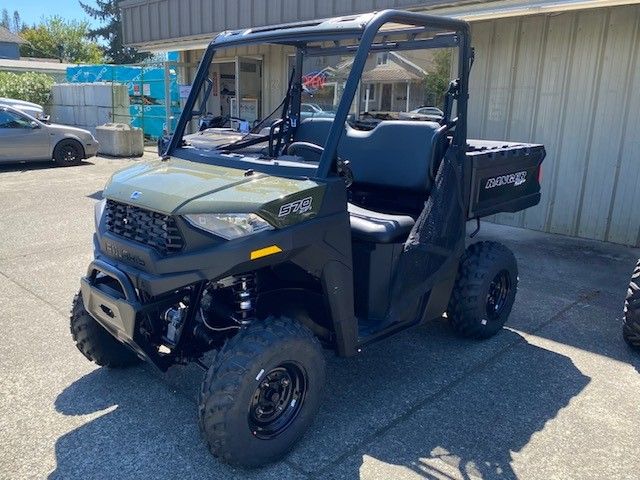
88	105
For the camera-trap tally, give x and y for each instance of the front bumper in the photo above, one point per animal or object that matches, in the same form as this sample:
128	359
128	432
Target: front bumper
115	310
91	149
111	299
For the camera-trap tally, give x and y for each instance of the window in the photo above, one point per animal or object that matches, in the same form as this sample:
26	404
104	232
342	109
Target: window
372	92
383	58
13	120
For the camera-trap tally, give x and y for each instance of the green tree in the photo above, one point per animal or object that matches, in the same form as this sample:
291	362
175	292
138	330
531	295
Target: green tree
17	22
108	13
57	38
4	20
438	76
11	23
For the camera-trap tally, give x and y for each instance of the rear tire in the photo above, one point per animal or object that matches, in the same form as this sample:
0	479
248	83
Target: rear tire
484	291
262	392
631	323
95	343
68	152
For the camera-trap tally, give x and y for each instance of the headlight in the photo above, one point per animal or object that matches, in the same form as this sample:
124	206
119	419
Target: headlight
99	210
229	225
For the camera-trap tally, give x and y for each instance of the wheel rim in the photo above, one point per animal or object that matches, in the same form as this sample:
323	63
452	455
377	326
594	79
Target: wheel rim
498	294
69	154
277	401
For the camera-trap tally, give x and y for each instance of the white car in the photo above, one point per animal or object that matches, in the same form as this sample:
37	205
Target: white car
432	114
24	138
29	108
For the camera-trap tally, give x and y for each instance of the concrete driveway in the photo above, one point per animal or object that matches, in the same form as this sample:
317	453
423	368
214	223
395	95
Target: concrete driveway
555	395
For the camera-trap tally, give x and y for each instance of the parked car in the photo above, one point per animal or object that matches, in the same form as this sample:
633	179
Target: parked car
29	108
431	114
24	138
313	110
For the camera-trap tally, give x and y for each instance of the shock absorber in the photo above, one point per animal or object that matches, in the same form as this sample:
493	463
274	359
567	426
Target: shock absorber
244	289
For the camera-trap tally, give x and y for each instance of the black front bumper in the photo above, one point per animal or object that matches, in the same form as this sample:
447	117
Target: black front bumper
114	310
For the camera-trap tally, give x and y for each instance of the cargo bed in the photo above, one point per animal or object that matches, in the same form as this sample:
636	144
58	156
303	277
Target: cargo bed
505	176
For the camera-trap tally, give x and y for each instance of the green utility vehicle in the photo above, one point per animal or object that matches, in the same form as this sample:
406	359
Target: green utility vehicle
334	232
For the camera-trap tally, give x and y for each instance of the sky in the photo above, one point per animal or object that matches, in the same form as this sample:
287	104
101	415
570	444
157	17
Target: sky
31	11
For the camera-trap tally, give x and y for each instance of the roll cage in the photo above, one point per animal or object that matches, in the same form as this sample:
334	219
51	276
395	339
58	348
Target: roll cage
368	30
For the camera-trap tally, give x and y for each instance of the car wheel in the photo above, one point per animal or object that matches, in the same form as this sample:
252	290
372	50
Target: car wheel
631	324
262	392
68	152
484	291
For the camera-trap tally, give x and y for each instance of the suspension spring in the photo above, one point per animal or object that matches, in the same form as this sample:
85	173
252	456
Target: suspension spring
244	289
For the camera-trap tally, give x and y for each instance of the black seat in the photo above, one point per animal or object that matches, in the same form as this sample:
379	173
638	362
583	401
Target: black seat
393	165
376	227
396	154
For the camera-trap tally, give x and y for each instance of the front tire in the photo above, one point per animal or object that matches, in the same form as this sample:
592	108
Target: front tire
68	152
262	392
631	324
484	291
94	342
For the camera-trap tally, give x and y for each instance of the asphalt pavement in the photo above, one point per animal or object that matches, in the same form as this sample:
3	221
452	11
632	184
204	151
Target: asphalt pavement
553	396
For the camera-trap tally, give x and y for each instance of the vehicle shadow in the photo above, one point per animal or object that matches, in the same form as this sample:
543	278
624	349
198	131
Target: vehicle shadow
423	400
467	427
459	419
29	166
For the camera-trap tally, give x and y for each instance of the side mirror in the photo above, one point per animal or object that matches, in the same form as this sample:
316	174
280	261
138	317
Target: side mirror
34	124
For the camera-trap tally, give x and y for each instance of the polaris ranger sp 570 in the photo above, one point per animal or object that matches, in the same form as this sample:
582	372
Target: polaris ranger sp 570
331	231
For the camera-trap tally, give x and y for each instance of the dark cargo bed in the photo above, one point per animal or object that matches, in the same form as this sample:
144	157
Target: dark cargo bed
505	176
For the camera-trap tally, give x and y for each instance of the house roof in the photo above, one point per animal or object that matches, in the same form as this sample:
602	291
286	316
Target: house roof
8	37
397	69
33	66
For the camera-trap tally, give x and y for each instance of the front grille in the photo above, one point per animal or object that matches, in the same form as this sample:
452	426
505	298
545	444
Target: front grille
144	226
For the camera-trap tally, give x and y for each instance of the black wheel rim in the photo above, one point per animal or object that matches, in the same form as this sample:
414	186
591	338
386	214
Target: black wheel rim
69	154
277	401
498	294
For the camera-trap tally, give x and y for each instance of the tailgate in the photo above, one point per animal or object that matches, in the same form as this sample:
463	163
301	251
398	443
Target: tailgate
505	176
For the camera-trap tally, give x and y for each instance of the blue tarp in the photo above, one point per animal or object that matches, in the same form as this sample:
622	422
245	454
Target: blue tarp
146	91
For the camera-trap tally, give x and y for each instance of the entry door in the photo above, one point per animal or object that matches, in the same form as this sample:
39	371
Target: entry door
19	140
249	95
385	98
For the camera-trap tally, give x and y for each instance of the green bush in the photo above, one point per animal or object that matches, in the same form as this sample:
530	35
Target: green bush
30	86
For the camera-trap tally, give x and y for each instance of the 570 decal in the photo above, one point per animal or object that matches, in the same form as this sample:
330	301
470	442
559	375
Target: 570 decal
298	206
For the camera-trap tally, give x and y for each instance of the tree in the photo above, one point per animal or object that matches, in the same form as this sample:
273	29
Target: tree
438	77
17	22
13	24
4	21
108	13
65	40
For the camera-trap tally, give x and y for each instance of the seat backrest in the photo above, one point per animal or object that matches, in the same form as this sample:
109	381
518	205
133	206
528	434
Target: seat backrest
396	154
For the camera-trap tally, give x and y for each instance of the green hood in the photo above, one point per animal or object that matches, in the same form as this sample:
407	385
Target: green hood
178	186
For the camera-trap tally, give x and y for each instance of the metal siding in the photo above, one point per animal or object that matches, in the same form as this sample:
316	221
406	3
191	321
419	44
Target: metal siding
572	82
219	15
624	218
185	15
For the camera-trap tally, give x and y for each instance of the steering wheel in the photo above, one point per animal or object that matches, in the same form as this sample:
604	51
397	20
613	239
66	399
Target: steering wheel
296	148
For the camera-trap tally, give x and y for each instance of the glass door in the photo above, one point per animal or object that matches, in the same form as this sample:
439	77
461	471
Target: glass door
249	90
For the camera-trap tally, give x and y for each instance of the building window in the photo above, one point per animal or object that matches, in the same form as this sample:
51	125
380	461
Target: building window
372	91
383	58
